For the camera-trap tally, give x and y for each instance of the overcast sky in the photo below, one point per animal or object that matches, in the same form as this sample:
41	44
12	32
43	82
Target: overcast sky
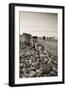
39	24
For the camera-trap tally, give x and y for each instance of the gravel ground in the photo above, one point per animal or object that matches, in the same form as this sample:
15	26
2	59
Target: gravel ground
35	62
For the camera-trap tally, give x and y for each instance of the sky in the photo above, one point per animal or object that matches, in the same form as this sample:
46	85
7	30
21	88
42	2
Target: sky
39	24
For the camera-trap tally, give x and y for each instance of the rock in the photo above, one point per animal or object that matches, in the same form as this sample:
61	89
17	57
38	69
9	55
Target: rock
27	70
22	54
32	68
24	76
32	52
39	72
24	70
46	68
27	64
30	62
35	64
54	62
40	48
41	57
49	61
46	53
21	64
32	74
54	69
22	60
52	73
34	58
27	53
27	57
21	71
37	56
45	60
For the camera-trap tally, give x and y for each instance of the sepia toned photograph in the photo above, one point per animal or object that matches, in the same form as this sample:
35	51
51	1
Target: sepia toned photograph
38	44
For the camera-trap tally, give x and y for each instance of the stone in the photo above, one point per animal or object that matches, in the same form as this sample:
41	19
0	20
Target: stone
39	72
52	73
32	74
46	68
34	64
49	61
32	68
24	76
28	53
22	54
21	64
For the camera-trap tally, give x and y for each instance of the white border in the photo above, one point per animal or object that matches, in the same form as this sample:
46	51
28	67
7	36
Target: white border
41	79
